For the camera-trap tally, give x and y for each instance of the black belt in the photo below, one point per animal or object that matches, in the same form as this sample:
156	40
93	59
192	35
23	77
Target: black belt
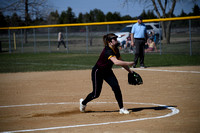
139	38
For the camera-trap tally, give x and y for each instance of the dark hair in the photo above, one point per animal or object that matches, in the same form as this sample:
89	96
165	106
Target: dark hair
108	38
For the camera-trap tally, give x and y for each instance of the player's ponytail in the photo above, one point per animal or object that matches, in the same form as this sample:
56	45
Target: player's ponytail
105	40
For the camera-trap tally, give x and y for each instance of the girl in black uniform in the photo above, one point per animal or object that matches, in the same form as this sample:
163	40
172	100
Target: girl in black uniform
103	71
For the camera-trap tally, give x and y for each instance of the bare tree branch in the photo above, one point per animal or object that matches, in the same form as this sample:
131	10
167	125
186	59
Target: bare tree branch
38	7
156	8
165	5
172	9
162	8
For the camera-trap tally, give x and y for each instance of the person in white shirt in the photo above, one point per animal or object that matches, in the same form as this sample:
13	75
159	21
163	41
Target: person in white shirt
60	40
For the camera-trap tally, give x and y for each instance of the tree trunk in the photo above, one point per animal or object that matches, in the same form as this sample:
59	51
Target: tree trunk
163	30
166	26
168	31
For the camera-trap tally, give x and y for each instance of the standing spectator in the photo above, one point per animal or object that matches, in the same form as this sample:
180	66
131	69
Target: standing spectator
138	39
60	40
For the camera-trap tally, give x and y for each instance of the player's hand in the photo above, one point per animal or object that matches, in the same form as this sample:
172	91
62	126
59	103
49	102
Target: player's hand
131	64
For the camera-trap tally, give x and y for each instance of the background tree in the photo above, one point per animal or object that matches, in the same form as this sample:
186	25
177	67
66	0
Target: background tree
27	9
3	22
86	18
109	16
62	18
98	15
53	18
70	16
126	17
148	15
80	18
116	16
15	20
33	16
67	17
196	10
183	14
166	26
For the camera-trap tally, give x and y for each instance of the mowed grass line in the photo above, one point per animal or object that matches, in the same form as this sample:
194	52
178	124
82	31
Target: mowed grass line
61	61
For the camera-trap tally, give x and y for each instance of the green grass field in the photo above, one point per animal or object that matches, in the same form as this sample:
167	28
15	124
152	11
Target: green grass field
62	61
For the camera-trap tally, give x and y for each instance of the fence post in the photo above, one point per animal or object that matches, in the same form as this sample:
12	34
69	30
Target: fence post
87	39
160	40
9	41
190	37
14	41
34	41
66	35
49	41
22	46
108	28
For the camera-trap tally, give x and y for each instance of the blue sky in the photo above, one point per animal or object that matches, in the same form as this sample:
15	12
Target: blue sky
133	9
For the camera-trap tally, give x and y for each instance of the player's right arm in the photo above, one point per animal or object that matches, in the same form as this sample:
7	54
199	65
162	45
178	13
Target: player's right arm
124	64
120	62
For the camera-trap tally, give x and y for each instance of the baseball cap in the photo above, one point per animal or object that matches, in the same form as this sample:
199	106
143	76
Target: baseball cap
139	17
111	36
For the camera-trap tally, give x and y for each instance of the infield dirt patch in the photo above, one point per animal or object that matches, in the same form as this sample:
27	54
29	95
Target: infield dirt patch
178	89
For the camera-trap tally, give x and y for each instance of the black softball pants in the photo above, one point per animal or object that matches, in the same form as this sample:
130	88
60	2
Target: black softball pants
139	51
61	42
97	80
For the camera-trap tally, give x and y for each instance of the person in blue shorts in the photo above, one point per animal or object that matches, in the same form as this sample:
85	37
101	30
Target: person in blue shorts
102	71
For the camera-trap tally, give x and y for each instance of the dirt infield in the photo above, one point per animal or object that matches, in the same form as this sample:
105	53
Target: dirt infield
49	102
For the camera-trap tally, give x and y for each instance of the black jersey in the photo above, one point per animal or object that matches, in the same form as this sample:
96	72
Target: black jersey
104	62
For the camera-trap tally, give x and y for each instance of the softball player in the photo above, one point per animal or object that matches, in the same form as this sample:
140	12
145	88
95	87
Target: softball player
103	71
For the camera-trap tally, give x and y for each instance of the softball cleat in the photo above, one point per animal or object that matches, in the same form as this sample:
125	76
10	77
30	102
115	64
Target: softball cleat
123	111
82	107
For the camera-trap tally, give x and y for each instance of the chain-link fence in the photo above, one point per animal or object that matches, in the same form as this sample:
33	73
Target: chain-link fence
185	39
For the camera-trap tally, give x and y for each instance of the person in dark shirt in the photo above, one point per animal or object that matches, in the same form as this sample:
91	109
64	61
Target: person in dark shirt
103	71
